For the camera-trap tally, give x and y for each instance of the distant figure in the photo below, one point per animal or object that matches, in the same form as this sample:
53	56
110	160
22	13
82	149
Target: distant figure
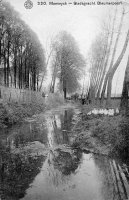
83	99
76	96
117	111
43	94
89	101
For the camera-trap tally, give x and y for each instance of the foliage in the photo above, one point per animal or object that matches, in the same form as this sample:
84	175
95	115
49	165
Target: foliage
17	171
21	54
69	62
102	134
11	113
104	57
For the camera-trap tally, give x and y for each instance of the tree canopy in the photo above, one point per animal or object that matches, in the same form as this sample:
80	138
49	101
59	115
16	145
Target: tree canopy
21	54
68	62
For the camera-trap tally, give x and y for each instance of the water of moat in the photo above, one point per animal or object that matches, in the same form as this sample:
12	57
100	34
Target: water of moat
37	163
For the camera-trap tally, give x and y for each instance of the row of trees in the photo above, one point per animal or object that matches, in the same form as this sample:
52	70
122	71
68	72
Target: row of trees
105	57
21	54
22	58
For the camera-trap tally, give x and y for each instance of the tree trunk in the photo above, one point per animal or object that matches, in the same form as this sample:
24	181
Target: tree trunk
107	55
124	97
25	84
46	68
104	89
52	87
113	70
0	50
37	81
5	68
15	68
28	81
64	93
112	60
21	70
117	39
19	75
8	63
34	78
64	88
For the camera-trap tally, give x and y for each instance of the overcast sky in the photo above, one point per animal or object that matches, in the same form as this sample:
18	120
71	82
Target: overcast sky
83	22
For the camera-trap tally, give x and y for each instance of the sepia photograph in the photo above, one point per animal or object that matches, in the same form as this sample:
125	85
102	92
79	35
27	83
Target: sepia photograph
64	100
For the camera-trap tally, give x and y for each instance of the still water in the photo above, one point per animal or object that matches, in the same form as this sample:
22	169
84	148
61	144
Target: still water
37	163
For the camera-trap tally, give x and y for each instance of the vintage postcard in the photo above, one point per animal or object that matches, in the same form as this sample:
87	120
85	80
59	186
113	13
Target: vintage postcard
64	90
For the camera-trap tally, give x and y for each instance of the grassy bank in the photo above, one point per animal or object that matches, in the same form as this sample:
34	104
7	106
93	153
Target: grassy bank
11	113
106	135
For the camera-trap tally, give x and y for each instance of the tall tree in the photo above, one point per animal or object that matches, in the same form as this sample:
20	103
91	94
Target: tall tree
109	40
70	62
98	54
114	68
112	60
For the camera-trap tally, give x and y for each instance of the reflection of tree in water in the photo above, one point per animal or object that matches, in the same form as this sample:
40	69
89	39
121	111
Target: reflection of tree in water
17	172
67	162
60	135
25	134
61	164
61	161
57	136
65	126
66	120
59	127
114	181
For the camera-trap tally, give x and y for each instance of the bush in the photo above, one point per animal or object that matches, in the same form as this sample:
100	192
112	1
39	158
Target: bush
11	113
